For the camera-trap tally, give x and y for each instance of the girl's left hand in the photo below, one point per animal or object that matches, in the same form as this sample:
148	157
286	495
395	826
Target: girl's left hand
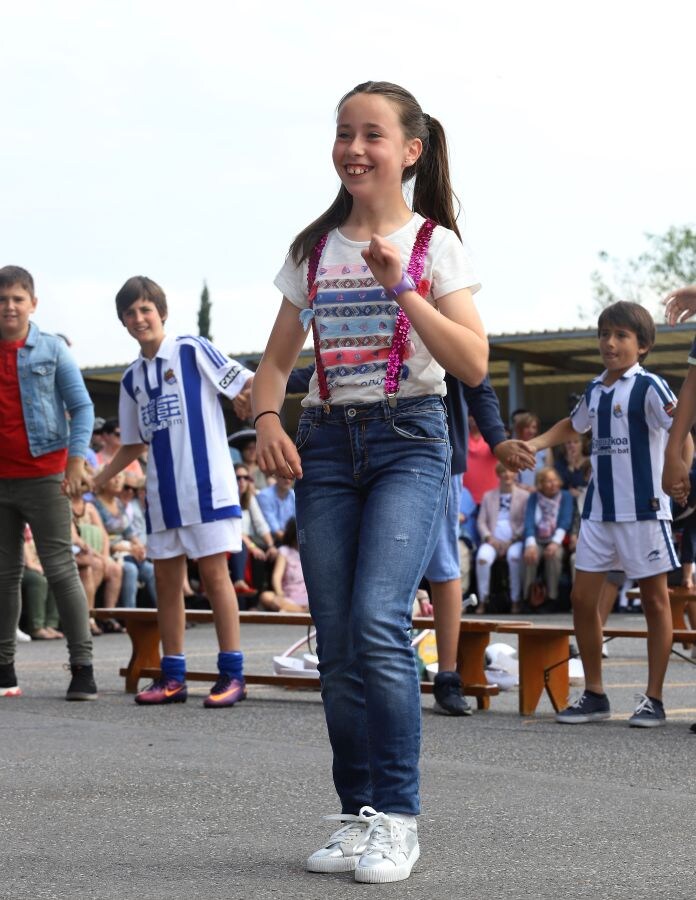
384	261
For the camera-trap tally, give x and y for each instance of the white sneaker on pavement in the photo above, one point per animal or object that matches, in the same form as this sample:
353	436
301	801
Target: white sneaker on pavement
21	636
343	849
392	847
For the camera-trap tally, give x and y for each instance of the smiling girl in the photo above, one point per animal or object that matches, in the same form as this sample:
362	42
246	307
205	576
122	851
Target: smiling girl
388	292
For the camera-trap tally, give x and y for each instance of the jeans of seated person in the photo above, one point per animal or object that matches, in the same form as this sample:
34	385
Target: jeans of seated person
237	564
133	572
41	503
369	510
260	570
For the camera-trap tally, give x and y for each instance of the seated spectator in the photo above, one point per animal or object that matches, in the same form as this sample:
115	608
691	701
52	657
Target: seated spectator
479	476
91	458
98	569
468	537
574	469
501	526
548	519
124	543
277	504
525	427
110	442
133	498
289	592
257	540
39	610
244	442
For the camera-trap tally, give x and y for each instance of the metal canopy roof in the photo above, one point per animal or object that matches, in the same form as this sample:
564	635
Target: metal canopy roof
548	357
551	357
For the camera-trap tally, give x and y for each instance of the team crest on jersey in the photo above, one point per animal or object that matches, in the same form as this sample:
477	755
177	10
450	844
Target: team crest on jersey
617	411
170	377
592	412
669	409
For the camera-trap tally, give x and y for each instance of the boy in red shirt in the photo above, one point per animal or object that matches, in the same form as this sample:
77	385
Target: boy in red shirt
41	464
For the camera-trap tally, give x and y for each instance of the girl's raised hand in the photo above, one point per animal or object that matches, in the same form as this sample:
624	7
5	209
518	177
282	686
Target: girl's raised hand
680	305
384	261
276	454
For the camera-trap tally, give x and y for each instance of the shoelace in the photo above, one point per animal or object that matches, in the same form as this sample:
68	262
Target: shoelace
353	827
577	704
645	704
383	833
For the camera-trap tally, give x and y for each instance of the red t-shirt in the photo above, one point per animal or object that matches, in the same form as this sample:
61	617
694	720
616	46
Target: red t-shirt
16	460
480	468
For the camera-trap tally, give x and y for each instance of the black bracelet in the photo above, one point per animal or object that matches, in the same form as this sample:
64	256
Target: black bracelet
268	412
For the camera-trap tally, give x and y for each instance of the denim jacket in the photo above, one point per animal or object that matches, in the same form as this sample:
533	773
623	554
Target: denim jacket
50	383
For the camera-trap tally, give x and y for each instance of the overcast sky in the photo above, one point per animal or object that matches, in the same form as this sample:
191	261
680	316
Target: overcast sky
192	141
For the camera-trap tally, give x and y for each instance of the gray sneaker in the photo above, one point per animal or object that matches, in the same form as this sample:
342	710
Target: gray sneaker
392	847
649	713
587	708
343	849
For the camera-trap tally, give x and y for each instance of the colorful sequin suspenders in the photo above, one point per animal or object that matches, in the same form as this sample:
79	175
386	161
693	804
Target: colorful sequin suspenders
402	326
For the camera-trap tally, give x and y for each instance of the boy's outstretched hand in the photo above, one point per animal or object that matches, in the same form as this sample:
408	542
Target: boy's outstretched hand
675	479
515	455
680	305
242	402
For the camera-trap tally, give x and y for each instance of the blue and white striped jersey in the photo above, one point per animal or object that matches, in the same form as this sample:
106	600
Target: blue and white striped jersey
172	403
629	422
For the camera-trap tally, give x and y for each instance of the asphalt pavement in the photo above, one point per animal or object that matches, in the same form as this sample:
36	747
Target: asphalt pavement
108	800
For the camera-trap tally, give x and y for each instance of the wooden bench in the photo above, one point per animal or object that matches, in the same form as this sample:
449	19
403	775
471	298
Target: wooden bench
143	630
679	596
543	653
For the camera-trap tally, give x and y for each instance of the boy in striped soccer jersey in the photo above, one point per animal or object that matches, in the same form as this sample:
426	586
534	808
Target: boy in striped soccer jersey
170	402
625	519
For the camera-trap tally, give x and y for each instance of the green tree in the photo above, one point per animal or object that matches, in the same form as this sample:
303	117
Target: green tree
204	314
668	262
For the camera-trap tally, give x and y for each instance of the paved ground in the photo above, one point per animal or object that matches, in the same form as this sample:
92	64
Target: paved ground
106	800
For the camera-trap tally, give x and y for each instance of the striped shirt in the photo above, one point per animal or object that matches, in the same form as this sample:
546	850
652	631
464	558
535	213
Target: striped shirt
629	421
171	402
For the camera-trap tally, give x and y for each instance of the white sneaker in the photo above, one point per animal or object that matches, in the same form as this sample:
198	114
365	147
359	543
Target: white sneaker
392	847
21	636
343	849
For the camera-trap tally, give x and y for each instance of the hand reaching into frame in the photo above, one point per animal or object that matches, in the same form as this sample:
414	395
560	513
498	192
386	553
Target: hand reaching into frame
680	305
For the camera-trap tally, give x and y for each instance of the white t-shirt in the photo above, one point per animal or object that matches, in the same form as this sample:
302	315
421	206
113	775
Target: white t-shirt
356	320
630	421
171	402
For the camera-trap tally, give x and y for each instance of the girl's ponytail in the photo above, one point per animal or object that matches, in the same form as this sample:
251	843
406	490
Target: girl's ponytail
433	196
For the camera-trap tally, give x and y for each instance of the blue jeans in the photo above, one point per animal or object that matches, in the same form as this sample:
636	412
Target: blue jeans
369	511
134	571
